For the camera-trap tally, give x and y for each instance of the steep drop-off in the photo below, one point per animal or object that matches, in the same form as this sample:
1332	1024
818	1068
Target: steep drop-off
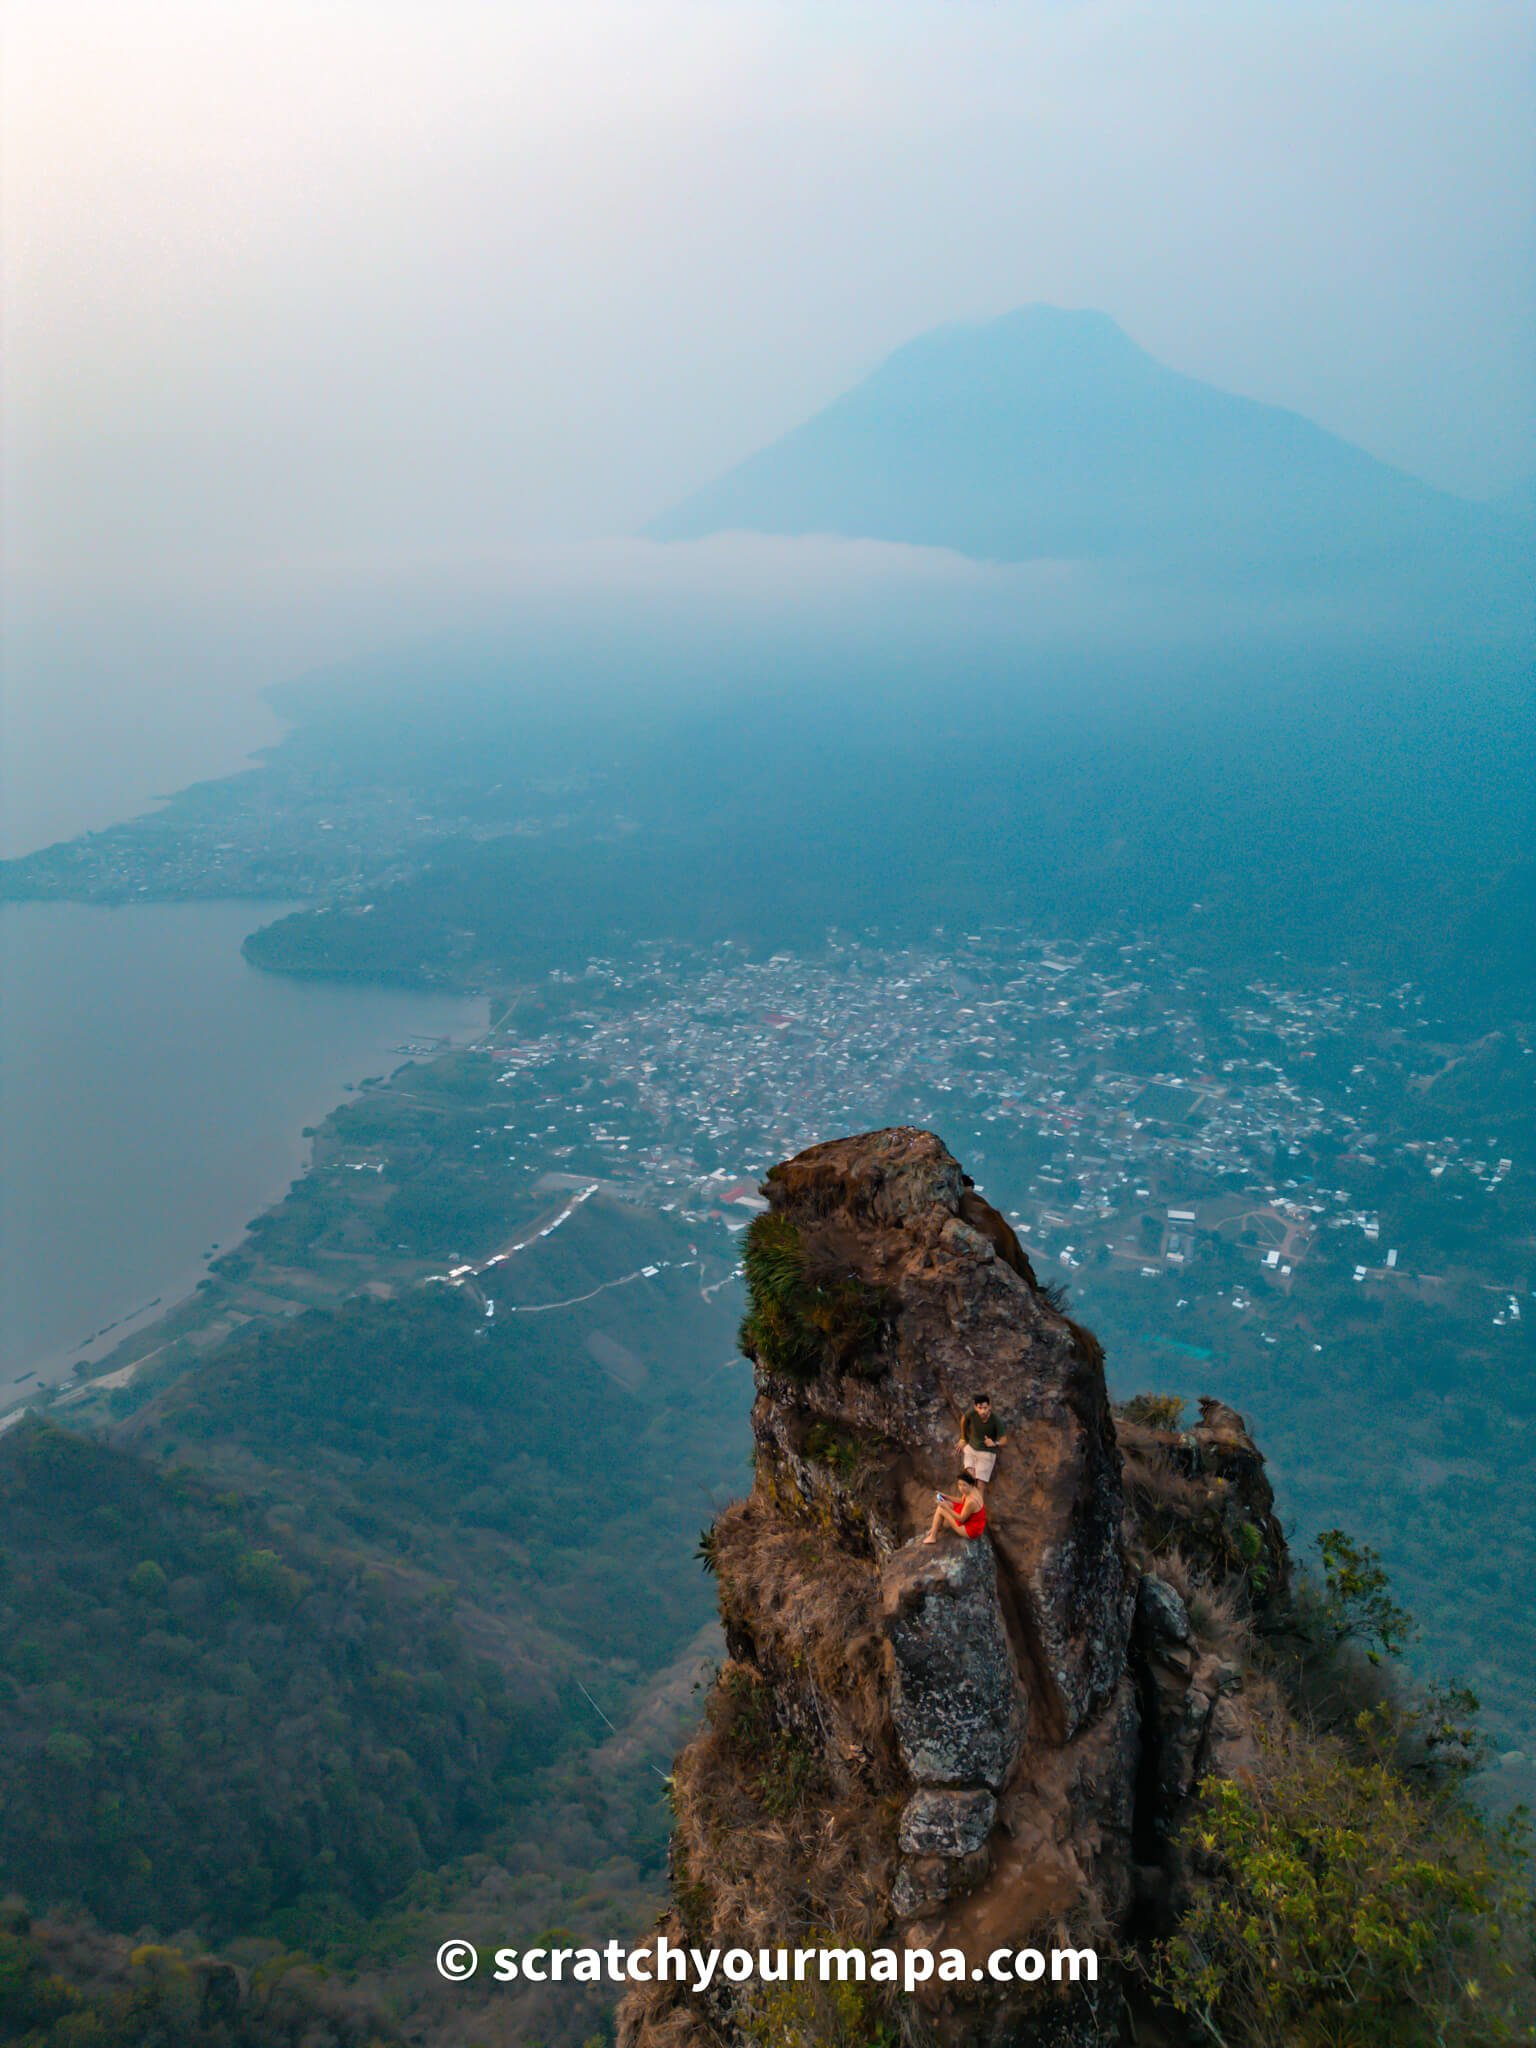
968	1745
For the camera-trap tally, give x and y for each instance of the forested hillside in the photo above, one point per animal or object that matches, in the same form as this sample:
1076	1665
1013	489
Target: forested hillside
322	1638
215	1723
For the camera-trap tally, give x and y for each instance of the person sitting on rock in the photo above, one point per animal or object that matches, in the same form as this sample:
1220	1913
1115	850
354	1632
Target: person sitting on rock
964	1512
981	1438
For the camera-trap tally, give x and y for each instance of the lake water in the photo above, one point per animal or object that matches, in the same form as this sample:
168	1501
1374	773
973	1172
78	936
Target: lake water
153	1094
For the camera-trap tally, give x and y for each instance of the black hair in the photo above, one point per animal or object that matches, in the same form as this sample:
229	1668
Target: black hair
977	1399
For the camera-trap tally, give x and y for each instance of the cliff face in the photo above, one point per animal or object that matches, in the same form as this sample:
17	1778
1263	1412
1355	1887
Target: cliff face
969	1745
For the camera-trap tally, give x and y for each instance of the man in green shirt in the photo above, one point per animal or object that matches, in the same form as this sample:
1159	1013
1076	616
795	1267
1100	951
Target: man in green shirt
981	1438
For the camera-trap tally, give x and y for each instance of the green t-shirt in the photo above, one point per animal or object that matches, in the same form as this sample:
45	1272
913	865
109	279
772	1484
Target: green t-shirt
981	1434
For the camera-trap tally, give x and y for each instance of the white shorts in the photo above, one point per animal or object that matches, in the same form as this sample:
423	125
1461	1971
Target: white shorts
980	1463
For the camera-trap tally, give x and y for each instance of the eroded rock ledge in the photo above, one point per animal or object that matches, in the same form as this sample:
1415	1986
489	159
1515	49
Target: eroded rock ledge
970	1745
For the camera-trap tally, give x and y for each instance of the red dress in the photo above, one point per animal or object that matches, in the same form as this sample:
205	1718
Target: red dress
974	1524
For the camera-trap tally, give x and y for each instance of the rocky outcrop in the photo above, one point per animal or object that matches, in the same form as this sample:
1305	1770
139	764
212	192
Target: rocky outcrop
956	1701
946	1823
890	1223
969	1745
1204	1490
1193	1720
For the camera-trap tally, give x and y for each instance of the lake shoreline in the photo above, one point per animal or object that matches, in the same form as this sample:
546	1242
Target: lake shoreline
158	1096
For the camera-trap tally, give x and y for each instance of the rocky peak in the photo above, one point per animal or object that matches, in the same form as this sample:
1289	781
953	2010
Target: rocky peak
969	1744
951	1309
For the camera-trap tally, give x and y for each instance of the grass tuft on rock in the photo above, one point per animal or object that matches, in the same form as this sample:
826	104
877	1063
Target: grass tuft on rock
1154	1411
801	1322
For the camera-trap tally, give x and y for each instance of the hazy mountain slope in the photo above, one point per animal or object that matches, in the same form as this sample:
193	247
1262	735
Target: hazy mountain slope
1050	433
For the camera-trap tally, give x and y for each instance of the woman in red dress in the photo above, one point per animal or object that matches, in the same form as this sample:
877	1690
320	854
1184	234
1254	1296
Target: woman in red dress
964	1512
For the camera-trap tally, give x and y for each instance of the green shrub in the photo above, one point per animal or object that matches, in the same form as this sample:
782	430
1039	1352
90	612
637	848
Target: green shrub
829	1445
1333	1905
1355	1605
847	1317
780	1340
800	1322
71	1752
1248	1541
263	1575
815	2015
774	1260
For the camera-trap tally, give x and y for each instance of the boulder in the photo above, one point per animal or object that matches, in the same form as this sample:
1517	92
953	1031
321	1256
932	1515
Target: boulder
957	1705
946	1823
926	1884
1162	1619
1036	1706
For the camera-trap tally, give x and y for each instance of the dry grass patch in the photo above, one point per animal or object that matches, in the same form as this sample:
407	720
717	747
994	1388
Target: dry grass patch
810	1614
1218	1611
763	1851
659	2015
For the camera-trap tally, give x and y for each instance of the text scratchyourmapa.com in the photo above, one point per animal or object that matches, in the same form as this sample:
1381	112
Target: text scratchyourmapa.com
666	1962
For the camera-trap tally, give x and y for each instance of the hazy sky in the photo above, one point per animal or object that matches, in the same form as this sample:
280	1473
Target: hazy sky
342	283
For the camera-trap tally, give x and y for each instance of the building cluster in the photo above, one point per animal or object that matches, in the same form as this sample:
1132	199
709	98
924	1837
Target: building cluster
1123	1106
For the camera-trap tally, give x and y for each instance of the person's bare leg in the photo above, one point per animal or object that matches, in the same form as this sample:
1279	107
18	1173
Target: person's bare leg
943	1517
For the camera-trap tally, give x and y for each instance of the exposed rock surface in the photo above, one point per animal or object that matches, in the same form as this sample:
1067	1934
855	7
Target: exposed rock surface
972	1745
894	1211
955	1697
946	1823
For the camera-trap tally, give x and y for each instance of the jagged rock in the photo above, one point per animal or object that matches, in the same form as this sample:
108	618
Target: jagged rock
802	1614
959	1712
946	1823
1038	1706
1177	1721
1223	1421
1162	1619
1222	1451
1204	1492
924	1884
998	1231
1176	1709
892	1212
1192	1723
